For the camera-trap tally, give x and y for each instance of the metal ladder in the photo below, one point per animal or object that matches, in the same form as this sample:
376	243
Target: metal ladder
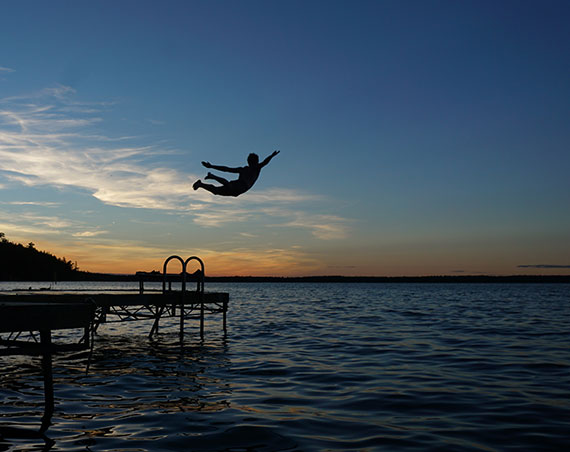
199	289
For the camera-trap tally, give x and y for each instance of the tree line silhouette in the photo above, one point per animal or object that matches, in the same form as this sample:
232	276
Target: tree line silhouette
26	263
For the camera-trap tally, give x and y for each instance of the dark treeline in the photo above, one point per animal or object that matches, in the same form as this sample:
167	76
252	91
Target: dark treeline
21	263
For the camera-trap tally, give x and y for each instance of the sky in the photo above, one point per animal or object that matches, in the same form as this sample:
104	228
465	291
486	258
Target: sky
416	137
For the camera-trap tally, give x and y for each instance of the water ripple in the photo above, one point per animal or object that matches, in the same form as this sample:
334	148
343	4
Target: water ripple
313	367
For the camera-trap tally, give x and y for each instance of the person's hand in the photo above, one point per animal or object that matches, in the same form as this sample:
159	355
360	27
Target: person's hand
207	164
275	153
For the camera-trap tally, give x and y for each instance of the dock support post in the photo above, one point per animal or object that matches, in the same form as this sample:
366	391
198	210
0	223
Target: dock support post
182	321
154	329
225	309
45	340
201	318
86	334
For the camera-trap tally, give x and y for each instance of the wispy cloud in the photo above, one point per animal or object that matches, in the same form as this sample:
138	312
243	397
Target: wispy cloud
26	224
285	195
32	221
6	69
88	233
40	144
269	262
47	138
221	216
324	227
543	266
31	203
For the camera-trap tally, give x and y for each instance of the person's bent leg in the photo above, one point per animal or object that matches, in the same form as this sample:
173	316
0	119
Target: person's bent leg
208	187
222	191
219	179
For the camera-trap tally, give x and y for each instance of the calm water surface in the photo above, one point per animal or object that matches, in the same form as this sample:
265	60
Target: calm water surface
317	367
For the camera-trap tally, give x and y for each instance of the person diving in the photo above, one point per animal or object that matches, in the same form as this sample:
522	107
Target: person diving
247	176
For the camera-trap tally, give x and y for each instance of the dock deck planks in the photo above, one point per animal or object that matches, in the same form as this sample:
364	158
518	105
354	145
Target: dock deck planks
40	316
50	310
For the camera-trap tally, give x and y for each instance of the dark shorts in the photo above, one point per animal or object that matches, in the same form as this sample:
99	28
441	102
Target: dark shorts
234	188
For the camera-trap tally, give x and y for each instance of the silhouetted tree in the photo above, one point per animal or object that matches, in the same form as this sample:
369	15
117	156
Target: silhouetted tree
18	263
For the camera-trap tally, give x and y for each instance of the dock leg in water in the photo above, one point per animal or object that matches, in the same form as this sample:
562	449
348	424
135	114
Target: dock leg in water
154	329
225	310
45	338
202	320
181	322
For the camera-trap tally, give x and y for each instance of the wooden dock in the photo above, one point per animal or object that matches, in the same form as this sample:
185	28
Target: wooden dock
52	310
27	314
18	316
46	310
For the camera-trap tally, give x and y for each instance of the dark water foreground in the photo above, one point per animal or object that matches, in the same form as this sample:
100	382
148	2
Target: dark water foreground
318	367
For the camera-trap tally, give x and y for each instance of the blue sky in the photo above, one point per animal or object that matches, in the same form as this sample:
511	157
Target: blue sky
416	138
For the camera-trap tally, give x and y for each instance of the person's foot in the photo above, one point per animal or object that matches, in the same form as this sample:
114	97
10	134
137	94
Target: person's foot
197	184
209	176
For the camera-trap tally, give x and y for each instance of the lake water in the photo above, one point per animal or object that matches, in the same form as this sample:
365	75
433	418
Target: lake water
317	367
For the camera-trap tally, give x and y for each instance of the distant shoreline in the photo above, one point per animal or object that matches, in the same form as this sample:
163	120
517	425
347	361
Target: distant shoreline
398	279
393	279
19	260
157	277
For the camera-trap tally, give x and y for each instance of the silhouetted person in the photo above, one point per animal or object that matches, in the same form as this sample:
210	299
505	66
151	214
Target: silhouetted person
247	177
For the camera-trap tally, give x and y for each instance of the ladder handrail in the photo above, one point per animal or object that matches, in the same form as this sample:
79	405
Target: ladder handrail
165	265
184	267
201	280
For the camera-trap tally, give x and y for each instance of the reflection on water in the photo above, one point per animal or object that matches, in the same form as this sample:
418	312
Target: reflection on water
313	367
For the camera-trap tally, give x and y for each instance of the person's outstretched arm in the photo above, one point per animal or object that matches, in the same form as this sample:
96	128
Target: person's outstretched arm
227	169
268	159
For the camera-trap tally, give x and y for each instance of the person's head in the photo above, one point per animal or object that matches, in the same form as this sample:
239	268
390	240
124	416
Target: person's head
253	159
